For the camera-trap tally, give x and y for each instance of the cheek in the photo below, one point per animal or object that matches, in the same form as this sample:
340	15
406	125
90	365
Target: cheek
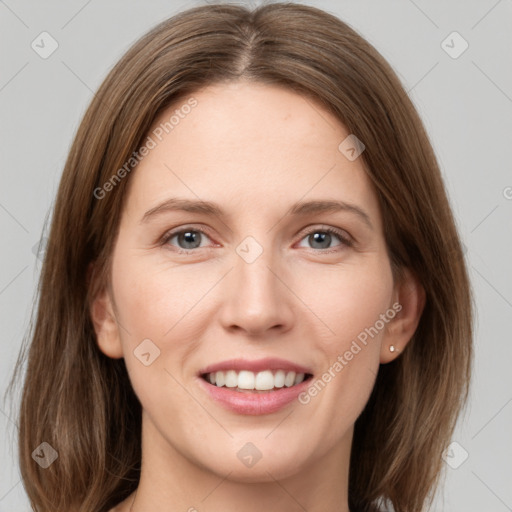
162	303
151	297
352	304
152	306
350	300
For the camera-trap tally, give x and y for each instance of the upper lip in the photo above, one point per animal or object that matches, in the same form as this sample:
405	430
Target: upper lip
256	365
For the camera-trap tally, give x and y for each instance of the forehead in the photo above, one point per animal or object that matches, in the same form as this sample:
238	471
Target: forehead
252	145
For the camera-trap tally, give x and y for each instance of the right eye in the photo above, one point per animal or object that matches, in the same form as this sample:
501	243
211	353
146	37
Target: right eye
188	237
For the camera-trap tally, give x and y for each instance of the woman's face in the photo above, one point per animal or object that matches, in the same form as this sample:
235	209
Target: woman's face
250	282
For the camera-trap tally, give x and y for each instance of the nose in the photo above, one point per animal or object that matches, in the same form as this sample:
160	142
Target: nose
256	299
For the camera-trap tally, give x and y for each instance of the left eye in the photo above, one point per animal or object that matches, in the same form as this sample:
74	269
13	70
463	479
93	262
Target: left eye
190	238
324	237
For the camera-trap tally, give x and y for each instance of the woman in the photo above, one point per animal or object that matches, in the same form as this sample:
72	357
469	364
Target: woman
206	353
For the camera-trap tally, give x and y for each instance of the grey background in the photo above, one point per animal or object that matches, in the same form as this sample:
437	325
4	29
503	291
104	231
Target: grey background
466	105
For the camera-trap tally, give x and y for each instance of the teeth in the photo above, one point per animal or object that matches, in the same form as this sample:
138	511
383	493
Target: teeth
298	379
279	378
220	379
260	381
231	379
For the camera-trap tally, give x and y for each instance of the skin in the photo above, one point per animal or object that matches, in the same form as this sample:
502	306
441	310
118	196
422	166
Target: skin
255	150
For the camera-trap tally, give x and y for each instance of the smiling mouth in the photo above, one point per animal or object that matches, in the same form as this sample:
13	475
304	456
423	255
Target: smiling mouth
246	381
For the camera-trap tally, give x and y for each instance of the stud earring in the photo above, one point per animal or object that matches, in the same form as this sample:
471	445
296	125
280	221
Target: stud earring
392	348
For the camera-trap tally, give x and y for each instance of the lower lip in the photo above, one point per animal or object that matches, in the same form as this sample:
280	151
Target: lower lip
253	403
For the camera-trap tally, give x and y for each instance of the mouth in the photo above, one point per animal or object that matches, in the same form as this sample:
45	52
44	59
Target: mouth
256	376
254	387
265	381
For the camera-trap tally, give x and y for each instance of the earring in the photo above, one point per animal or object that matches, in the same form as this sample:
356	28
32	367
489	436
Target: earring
392	348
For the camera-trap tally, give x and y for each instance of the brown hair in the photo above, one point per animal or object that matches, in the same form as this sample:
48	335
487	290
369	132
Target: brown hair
82	403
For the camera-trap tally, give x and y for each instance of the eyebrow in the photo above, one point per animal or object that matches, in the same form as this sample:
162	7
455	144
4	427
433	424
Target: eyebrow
298	209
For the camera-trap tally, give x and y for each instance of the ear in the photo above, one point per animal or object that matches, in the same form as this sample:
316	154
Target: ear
409	302
103	317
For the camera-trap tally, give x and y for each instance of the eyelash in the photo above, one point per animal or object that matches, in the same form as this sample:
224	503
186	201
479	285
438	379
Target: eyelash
332	231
